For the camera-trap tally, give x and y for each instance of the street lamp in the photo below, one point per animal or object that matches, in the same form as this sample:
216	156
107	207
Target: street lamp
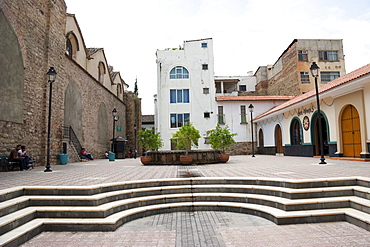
115	119
251	108
51	78
315	73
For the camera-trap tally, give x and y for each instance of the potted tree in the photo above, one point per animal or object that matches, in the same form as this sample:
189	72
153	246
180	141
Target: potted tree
187	136
149	141
221	138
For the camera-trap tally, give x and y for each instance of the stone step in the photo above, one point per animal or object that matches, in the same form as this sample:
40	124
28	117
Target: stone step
32	228
106	207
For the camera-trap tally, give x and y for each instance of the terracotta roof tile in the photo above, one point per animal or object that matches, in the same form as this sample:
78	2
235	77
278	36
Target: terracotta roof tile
255	98
330	85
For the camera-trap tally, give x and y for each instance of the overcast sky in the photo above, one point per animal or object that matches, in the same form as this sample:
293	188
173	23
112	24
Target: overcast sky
246	33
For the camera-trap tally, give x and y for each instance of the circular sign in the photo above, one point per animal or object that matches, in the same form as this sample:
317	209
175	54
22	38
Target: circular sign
306	123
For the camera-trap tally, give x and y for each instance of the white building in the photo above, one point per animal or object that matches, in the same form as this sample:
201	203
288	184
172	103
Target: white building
186	91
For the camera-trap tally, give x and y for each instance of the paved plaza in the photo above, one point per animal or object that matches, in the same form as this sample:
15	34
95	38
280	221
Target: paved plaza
202	228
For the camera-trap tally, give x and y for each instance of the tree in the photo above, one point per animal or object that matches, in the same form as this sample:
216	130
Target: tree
221	138
187	136
150	140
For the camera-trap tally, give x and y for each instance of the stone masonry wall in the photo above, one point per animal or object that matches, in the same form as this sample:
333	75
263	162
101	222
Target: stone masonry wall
40	26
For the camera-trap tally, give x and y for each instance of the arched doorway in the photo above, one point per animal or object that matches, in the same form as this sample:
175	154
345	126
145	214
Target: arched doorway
278	140
260	139
315	134
351	132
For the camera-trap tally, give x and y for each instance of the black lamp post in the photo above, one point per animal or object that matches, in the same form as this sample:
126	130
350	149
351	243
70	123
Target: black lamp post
251	108
315	73
51	78
115	119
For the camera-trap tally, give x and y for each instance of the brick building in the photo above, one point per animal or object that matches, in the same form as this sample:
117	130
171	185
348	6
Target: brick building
37	35
290	73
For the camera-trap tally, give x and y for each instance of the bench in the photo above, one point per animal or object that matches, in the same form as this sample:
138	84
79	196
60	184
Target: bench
5	162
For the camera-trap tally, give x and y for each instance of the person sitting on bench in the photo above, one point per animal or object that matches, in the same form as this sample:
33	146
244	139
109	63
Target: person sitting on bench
23	153
16	157
86	154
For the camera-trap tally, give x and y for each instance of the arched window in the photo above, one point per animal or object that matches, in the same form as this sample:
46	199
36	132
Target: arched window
179	72
296	132
101	71
72	45
119	89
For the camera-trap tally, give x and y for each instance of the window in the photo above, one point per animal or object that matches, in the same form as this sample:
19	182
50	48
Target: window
327	76
302	56
179	72
101	72
296	132
179	120
204	66
207	115
205	90
305	77
243	88
243	116
328	55
220	115
204	45
179	96
69	50
71	45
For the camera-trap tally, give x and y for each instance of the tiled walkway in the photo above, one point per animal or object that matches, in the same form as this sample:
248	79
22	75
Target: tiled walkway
198	228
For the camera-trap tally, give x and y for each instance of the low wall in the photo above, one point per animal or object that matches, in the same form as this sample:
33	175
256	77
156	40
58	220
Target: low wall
173	157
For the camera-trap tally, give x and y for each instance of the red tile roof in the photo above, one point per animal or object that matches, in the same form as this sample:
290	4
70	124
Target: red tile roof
255	98
330	85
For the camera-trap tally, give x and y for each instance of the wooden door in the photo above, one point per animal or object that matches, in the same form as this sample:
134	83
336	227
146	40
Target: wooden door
278	140
351	133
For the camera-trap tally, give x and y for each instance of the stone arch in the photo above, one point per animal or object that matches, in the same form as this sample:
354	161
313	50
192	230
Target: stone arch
72	45
101	72
103	137
11	74
73	109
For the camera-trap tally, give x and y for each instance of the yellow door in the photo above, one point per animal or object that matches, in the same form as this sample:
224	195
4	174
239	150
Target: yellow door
351	133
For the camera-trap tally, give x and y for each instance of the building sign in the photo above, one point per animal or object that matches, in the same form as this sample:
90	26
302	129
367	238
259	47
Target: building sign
305	111
306	123
118	128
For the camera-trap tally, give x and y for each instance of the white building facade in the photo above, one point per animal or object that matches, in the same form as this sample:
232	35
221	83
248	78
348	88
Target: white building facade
186	91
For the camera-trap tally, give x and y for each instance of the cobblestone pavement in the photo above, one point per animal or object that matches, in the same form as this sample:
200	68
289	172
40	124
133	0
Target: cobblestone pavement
198	228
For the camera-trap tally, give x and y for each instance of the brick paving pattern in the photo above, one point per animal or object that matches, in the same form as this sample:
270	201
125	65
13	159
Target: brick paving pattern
198	228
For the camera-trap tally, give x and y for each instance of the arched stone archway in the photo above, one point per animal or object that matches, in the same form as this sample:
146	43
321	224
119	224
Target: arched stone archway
11	74
351	132
103	137
73	109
